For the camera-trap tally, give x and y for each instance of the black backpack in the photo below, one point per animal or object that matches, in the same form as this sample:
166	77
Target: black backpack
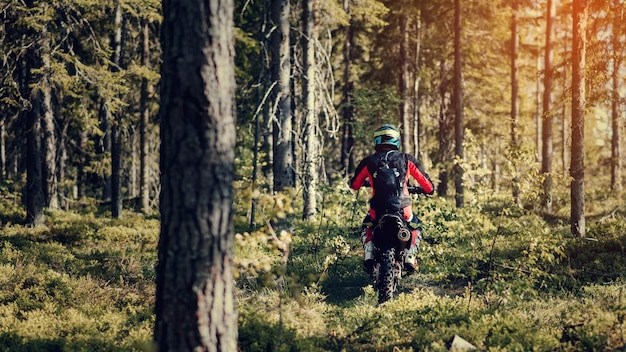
387	181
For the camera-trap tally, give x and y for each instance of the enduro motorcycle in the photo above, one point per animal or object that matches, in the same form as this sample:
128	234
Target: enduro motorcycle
392	238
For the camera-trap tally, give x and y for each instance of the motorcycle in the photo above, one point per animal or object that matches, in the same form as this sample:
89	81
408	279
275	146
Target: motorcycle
392	239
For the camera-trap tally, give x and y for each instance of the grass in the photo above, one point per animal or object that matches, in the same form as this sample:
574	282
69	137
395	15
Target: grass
502	278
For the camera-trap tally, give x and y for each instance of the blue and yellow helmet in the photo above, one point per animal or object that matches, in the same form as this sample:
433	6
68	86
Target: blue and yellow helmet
387	134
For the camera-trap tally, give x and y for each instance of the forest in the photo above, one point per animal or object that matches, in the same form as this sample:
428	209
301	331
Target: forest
514	108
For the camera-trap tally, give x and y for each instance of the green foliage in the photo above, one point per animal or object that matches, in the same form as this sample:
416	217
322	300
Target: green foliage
80	283
483	270
86	282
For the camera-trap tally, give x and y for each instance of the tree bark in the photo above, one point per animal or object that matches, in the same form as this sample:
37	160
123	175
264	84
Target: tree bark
104	145
35	193
3	148
458	106
33	111
577	167
417	122
564	119
195	304
144	121
311	156
405	104
442	135
347	133
546	130
284	172
514	100
616	120
116	127
49	141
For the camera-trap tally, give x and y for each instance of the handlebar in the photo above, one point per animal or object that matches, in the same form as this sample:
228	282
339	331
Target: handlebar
411	189
416	190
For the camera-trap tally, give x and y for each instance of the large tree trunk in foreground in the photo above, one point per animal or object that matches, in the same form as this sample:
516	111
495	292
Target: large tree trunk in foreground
195	305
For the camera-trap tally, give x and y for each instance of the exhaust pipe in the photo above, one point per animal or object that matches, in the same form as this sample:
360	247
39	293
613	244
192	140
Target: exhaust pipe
404	235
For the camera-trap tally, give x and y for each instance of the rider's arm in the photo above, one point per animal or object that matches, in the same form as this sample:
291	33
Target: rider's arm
417	171
360	175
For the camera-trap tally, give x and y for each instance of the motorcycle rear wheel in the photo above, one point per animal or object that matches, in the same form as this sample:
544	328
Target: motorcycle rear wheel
388	275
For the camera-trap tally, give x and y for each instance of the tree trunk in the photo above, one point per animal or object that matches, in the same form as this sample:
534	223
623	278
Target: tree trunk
311	155
442	135
195	303
284	173
538	118
144	121
417	131
62	155
405	104
546	134
616	155
32	111
577	167
564	119
116	134
104	145
49	141
514	100
458	106
35	193
3	148
347	133
85	159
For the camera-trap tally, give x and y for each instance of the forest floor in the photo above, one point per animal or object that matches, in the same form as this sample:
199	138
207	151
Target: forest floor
501	277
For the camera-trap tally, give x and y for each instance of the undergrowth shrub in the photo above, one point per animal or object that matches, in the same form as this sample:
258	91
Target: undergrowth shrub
601	256
500	276
55	294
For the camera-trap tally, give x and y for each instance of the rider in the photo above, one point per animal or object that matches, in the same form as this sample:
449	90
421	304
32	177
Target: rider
386	144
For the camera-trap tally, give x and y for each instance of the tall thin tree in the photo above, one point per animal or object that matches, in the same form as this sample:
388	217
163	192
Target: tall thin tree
146	89
405	104
49	140
546	126
515	97
616	105
116	127
458	107
284	172
34	110
311	155
195	303
347	134
417	122
35	195
577	165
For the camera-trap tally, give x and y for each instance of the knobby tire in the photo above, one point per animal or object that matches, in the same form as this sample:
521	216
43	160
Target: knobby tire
388	275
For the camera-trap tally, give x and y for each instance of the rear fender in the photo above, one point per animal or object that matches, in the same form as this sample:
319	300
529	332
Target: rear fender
392	231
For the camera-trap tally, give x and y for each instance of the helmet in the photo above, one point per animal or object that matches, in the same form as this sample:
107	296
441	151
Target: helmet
387	134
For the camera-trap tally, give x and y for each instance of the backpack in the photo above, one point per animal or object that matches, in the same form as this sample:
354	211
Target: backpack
387	181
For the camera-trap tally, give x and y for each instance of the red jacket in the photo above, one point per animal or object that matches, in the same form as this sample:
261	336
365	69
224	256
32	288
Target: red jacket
403	165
